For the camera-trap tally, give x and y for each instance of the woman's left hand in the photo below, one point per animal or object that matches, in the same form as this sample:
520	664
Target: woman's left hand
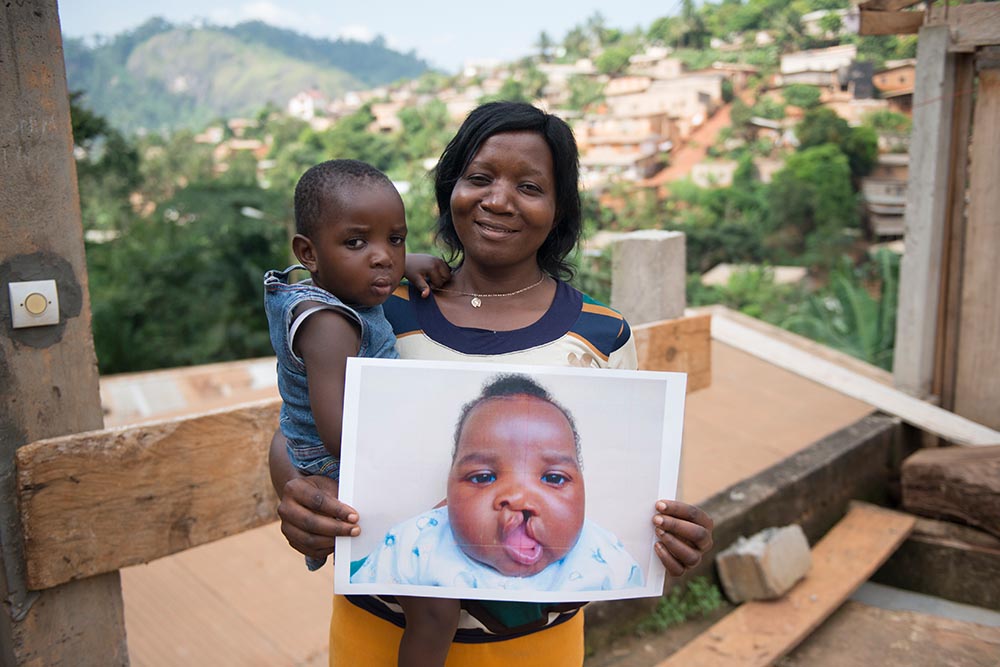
683	535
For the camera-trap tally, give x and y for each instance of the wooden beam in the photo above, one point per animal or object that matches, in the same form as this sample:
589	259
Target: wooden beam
48	375
887	5
946	560
953	255
958	483
758	633
890	23
972	25
100	501
977	380
926	209
820	350
931	418
683	344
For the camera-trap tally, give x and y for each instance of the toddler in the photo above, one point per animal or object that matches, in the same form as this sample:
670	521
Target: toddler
350	236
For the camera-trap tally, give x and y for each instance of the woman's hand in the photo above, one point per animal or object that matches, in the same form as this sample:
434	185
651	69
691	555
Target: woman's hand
683	535
426	272
312	517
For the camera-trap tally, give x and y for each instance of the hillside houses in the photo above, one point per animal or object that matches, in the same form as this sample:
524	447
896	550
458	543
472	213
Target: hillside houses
818	67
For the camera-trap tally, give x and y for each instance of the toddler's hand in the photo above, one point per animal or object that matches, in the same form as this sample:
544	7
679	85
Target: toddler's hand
426	272
683	535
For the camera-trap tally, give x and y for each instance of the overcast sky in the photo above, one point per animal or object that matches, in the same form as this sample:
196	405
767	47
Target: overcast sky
444	32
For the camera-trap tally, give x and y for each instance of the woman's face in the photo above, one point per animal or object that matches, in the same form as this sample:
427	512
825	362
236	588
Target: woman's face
504	204
516	496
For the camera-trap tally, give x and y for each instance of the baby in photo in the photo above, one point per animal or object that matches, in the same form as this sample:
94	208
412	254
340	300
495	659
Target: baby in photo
514	517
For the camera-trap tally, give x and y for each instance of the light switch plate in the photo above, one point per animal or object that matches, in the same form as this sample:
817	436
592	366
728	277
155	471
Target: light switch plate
34	303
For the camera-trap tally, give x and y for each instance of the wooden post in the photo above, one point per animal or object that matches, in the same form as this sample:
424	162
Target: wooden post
949	315
926	207
48	375
977	382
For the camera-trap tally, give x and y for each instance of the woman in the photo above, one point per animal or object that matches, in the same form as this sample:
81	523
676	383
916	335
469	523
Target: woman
507	190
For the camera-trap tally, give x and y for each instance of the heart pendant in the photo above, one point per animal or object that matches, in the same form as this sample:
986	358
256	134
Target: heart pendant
476	302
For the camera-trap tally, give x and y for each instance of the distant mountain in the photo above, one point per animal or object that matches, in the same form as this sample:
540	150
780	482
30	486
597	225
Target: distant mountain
162	76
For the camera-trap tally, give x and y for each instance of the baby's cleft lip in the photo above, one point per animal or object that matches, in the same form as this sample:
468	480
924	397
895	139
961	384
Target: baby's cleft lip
520	546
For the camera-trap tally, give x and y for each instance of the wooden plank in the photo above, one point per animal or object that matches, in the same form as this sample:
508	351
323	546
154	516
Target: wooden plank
683	344
926	208
973	25
48	375
758	633
860	367
946	560
955	483
887	5
977	382
99	501
951	427
859	635
949	312
890	23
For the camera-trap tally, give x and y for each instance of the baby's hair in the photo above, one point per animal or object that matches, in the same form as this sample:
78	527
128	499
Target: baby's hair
508	385
325	184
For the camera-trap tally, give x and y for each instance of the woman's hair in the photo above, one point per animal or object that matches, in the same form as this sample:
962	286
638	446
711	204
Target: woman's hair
495	118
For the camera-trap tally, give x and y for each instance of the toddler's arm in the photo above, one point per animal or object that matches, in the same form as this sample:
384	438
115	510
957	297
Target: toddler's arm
426	272
324	341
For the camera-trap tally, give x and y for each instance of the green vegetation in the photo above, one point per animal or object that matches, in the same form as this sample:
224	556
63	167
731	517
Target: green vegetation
846	316
801	95
699	598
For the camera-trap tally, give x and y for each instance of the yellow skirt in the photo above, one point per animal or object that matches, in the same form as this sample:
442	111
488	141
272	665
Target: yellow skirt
358	638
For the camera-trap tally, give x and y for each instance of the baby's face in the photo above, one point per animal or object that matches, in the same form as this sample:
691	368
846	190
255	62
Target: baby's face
515	490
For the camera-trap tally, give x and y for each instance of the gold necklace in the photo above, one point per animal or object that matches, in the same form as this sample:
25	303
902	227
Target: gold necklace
477	299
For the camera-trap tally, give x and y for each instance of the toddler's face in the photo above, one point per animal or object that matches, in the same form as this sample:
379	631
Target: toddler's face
515	490
360	250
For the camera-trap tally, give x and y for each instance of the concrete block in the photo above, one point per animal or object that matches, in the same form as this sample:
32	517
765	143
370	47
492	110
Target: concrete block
765	566
647	276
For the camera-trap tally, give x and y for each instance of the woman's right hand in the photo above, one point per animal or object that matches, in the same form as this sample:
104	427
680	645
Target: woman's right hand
312	517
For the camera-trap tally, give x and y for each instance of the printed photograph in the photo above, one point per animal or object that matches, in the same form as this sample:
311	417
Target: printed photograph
506	483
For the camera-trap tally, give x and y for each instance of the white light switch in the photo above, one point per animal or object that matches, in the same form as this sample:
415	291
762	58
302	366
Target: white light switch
34	303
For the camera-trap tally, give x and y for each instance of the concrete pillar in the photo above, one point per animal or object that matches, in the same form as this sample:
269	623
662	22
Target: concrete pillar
648	276
48	374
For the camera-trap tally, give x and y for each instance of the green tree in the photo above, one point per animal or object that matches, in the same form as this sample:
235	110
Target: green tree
183	287
812	203
824	126
544	44
614	59
801	95
584	91
106	169
846	316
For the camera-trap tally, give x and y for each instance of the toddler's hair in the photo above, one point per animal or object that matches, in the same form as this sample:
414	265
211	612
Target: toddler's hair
507	385
325	184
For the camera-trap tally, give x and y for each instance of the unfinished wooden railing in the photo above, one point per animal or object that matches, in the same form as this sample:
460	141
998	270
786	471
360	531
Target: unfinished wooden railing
103	500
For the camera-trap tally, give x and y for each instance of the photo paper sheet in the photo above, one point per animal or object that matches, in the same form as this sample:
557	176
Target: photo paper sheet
545	494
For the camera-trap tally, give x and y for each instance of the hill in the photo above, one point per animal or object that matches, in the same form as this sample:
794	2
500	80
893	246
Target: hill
162	77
